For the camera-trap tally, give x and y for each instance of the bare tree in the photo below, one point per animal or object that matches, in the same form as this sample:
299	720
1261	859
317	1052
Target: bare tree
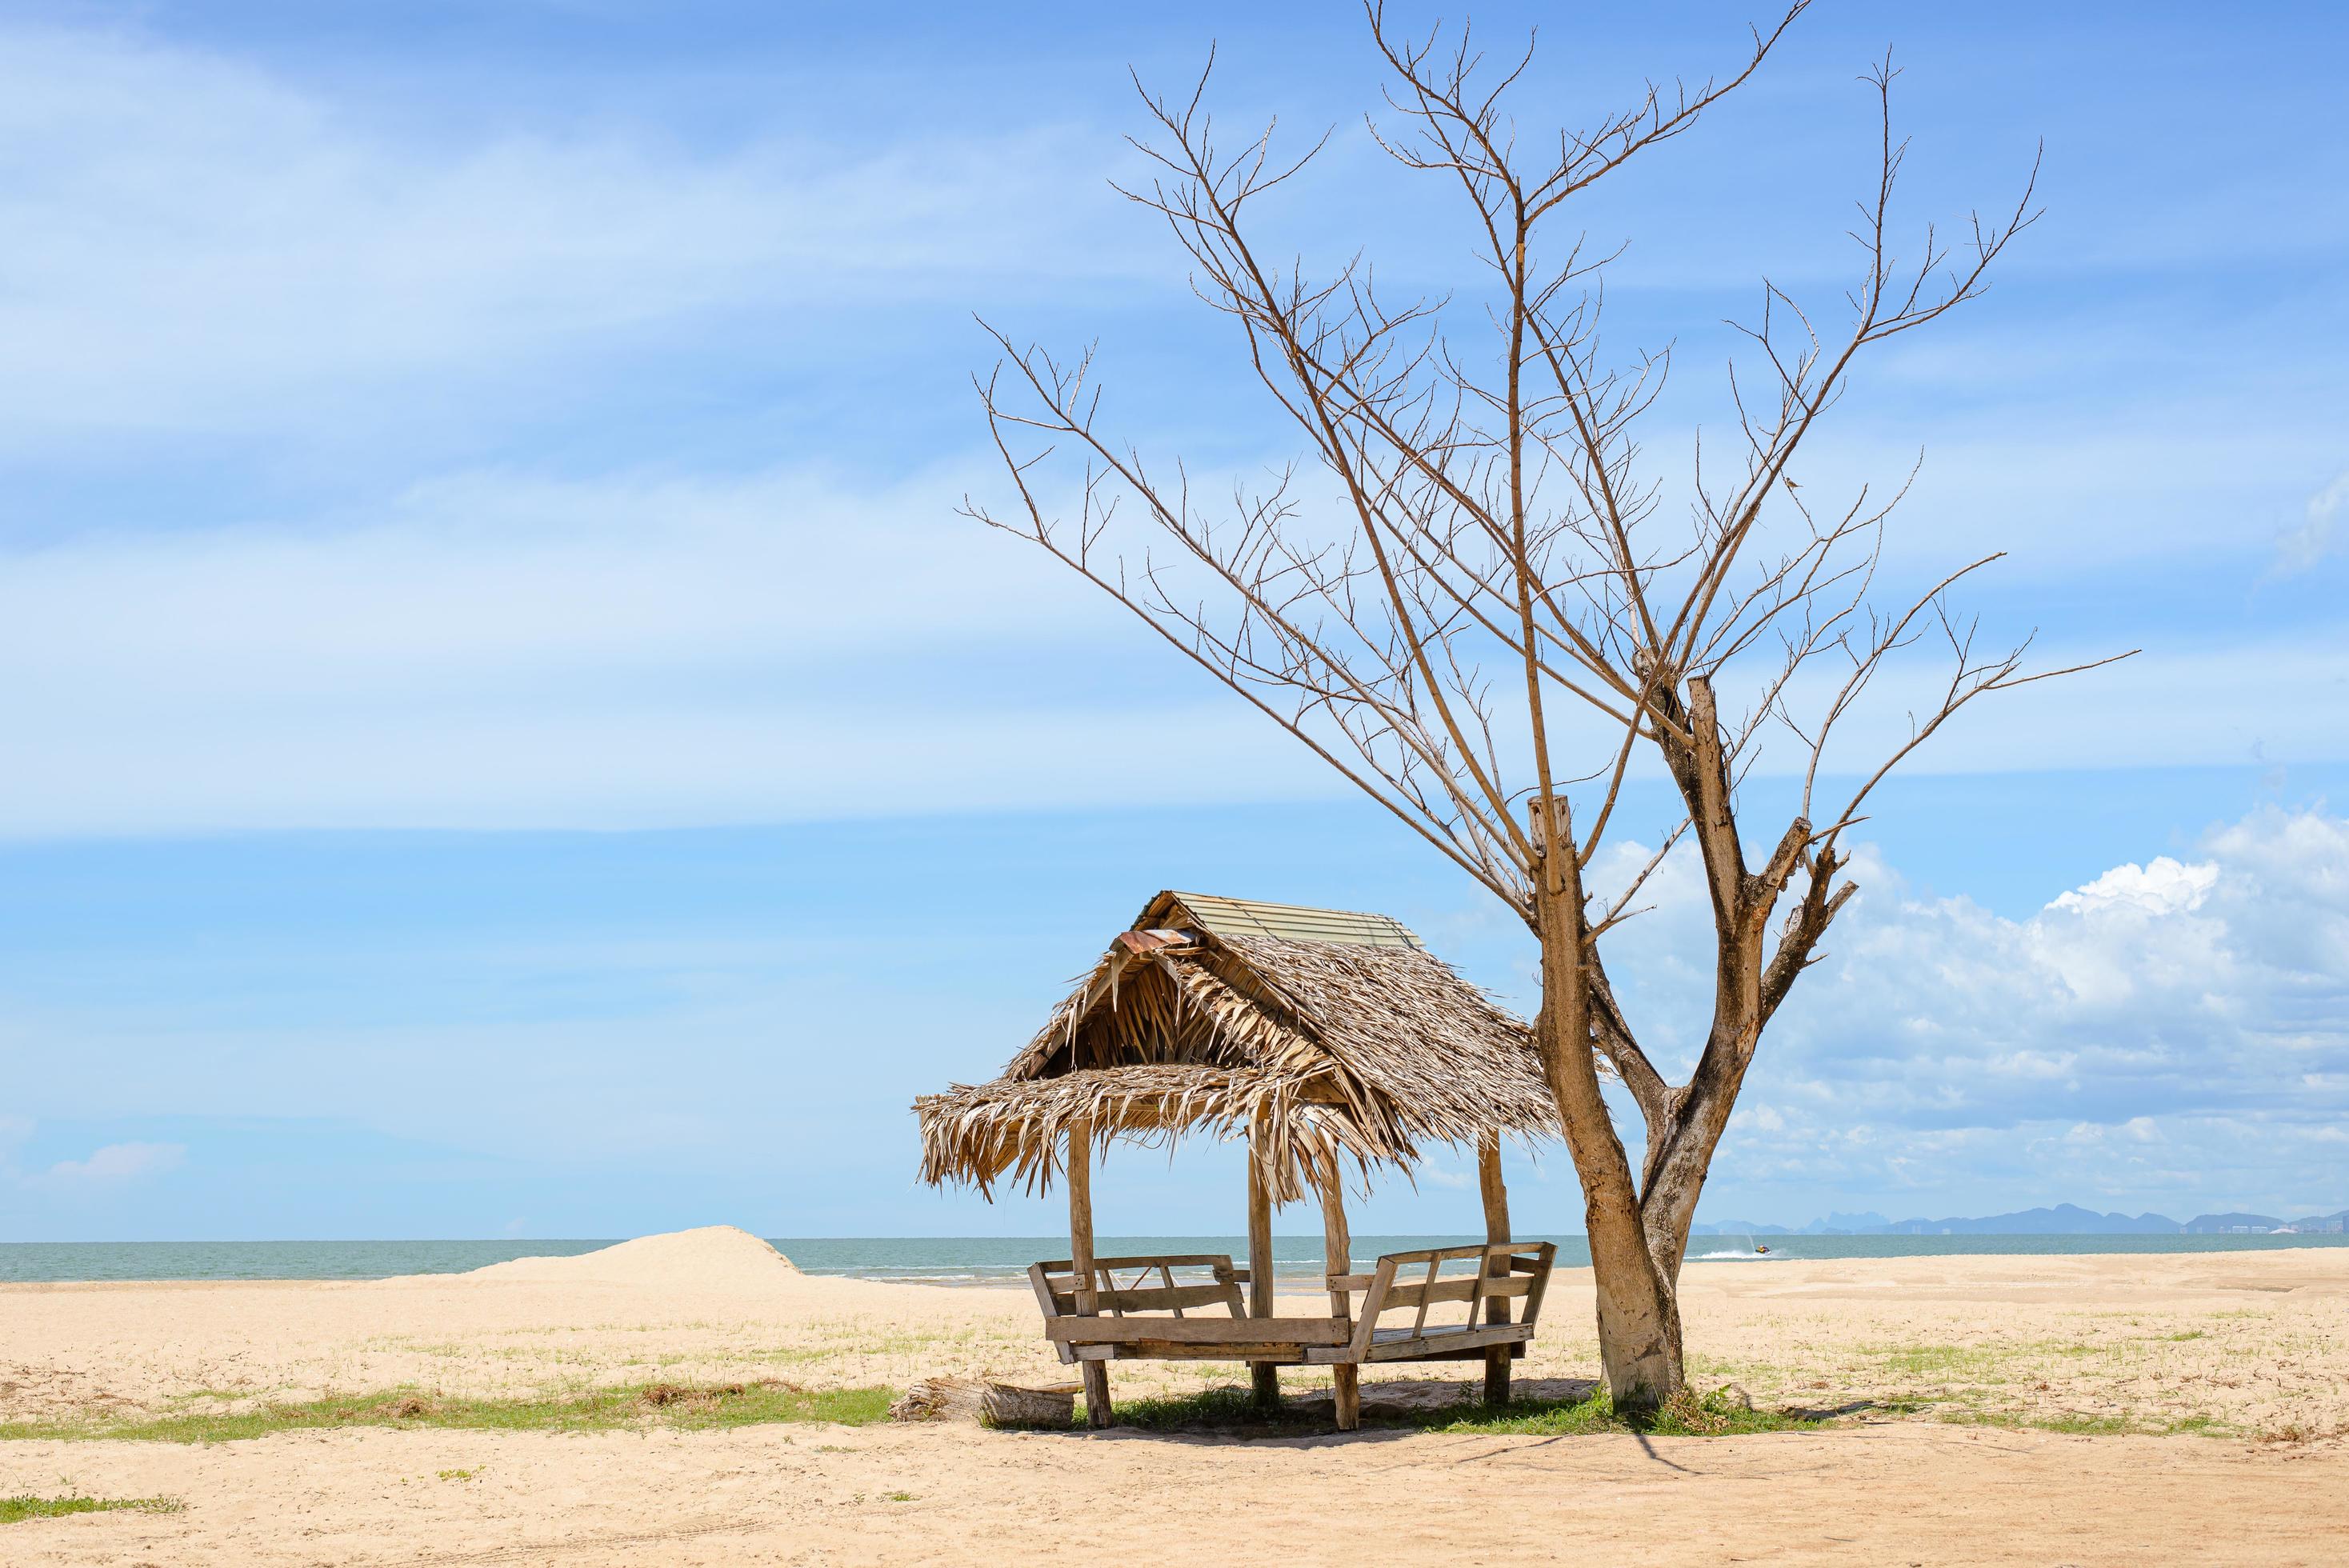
1486	623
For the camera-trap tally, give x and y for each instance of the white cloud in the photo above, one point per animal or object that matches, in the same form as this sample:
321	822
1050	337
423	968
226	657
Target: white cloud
498	650
208	247
503	648
200	246
2162	886
2170	1027
115	1162
2302	547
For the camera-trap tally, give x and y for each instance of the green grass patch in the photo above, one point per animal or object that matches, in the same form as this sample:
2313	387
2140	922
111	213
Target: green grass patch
1718	1414
2198	1427
1233	1411
16	1509
1941	1360
2074	1424
1220	1409
690	1405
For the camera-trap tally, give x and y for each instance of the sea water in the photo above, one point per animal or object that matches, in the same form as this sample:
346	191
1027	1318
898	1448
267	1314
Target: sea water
984	1260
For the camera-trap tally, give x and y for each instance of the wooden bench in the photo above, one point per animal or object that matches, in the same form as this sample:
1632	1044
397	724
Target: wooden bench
1122	1324
1135	1317
1499	1294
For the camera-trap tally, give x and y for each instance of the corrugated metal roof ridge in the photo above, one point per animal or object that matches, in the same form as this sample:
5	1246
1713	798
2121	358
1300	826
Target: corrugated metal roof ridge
1296	922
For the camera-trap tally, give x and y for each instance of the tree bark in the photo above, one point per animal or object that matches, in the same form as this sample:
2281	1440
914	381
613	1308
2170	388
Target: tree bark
1639	1318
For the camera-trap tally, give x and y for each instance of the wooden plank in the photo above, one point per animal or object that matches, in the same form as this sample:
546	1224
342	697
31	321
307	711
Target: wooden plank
1457	1287
1374	1301
1426	1296
1531	1314
1200	1330
1153	1297
1044	1297
1350	1282
1049	1303
1268	1352
1514	1349
1473	1250
1081	1256
1179	1260
1264	1383
1449	1339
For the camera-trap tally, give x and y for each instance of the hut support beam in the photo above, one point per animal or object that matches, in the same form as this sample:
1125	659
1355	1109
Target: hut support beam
1263	1374
1081	1262
1338	1252
1496	1229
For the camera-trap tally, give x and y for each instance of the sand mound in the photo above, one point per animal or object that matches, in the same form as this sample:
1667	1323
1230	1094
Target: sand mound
711	1258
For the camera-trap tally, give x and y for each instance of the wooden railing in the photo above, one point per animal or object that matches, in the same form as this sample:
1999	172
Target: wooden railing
1501	1293
1056	1284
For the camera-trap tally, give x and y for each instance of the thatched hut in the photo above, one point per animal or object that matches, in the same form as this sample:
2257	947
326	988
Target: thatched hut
1319	1037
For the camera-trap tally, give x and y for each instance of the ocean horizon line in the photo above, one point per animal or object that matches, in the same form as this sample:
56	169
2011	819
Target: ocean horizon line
990	1260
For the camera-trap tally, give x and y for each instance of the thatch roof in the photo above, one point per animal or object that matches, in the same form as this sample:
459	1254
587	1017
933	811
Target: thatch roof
1332	1032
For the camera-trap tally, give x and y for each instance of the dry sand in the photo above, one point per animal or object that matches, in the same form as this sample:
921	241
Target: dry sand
2250	1345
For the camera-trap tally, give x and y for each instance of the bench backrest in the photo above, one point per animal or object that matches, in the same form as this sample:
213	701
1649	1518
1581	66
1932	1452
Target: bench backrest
1497	1282
1122	1285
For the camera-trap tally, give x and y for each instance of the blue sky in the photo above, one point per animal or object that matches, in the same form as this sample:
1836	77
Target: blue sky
509	735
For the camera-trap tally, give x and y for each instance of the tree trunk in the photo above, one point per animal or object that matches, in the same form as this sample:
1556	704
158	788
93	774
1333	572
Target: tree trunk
1638	1305
1639	1313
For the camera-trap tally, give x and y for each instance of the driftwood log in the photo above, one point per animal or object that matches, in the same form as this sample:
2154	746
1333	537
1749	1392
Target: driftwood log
990	1404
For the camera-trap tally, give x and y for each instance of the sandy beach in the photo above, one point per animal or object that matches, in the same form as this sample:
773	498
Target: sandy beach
2114	1408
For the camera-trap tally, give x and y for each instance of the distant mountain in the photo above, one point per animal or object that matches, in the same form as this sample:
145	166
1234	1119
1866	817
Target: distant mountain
1868	1224
2218	1224
2062	1220
1854	1224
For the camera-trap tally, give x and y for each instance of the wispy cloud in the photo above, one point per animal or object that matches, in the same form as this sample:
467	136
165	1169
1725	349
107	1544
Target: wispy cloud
498	648
203	247
115	1163
504	650
2317	534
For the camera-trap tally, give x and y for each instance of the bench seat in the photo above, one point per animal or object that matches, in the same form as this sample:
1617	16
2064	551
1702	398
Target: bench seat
1499	1296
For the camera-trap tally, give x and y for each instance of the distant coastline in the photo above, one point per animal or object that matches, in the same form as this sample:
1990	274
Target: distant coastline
2062	1220
1004	1260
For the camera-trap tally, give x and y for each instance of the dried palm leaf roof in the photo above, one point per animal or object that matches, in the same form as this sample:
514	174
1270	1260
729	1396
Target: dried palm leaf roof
1328	1032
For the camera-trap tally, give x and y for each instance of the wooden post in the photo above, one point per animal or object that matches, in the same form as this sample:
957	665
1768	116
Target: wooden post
1337	1254
1264	1375
1081	1262
1496	1229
